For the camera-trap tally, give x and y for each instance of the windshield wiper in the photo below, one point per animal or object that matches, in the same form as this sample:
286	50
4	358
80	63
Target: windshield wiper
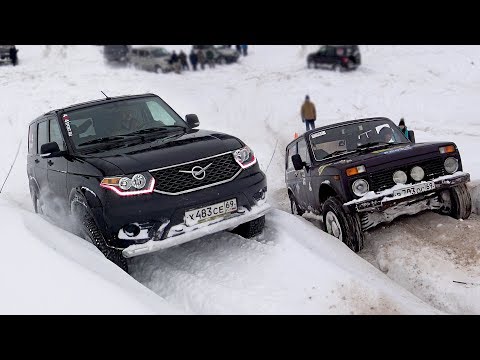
155	129
103	139
338	152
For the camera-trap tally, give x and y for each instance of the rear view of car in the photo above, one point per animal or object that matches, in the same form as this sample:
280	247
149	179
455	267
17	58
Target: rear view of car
116	53
5	54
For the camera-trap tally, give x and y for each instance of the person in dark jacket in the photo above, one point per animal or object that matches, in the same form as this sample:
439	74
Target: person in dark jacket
210	58
175	62
13	55
183	60
308	113
245	50
239	48
201	58
193	60
404	129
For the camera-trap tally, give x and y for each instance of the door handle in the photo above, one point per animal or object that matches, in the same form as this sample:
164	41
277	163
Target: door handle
50	162
37	161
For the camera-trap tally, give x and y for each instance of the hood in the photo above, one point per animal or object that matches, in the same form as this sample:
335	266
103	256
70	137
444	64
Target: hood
175	148
378	157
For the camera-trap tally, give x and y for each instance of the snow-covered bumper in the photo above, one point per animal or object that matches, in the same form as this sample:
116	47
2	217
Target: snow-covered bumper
377	208
182	233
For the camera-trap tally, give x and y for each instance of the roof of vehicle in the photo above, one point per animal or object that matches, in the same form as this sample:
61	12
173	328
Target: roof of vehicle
148	47
339	124
92	103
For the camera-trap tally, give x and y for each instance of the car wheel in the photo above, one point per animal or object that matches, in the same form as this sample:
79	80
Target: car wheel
343	226
294	208
337	67
251	228
158	69
459	206
90	232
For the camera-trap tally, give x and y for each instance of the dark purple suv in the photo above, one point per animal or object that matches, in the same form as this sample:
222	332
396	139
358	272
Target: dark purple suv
358	174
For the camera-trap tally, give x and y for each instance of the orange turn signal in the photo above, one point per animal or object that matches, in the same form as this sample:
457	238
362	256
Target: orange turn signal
447	149
355	170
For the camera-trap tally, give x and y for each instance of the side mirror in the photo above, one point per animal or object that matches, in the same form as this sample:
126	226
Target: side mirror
51	149
298	164
411	136
192	120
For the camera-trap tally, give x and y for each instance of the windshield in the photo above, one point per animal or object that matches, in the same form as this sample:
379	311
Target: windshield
159	52
120	120
340	140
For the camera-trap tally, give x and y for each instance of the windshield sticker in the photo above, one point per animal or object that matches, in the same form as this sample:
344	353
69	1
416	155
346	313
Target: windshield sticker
321	133
66	121
390	151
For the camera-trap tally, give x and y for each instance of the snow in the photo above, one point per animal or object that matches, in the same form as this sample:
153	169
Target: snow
293	267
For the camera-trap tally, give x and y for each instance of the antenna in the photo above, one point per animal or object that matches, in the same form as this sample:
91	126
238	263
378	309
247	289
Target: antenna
105	95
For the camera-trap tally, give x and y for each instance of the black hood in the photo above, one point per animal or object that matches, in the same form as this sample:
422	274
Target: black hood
174	148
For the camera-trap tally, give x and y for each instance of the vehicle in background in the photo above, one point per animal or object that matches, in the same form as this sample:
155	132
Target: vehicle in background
151	58
335	57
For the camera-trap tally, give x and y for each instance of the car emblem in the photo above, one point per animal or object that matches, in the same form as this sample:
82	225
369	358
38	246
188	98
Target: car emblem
197	172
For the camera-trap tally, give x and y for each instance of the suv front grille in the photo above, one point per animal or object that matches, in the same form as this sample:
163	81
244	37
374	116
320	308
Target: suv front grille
383	179
170	180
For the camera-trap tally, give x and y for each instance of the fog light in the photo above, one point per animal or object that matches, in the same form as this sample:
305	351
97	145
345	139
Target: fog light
417	173
131	230
399	177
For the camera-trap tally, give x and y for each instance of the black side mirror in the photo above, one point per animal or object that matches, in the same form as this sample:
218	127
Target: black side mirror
51	149
298	164
411	136
192	120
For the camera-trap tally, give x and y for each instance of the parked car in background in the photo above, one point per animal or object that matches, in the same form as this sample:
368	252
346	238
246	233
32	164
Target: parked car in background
116	53
151	58
222	54
335	57
361	173
5	54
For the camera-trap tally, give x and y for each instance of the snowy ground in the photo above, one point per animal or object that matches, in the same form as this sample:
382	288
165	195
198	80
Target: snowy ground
294	267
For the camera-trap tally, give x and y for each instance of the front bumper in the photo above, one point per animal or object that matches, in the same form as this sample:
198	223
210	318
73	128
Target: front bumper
188	234
385	199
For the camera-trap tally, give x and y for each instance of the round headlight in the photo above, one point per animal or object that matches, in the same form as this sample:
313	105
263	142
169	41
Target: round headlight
360	187
125	183
139	181
451	165
417	173
399	177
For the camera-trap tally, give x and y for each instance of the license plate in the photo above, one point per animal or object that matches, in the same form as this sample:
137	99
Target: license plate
209	213
415	189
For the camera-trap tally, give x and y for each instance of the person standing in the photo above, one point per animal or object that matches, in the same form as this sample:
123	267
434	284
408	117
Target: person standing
13	55
201	59
210	58
308	113
183	60
193	60
245	50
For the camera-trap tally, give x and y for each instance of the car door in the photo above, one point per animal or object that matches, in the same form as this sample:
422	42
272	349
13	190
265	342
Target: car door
40	162
57	168
290	172
320	55
330	56
303	176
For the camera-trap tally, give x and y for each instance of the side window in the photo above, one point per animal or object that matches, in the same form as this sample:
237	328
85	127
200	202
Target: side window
330	51
290	152
31	138
42	135
159	113
56	134
302	151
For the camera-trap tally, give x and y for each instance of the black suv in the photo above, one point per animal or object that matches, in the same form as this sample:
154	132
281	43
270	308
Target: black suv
358	174
136	178
336	57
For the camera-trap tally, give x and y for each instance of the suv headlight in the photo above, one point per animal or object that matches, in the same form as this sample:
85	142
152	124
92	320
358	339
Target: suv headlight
360	187
399	177
129	185
417	173
245	157
451	165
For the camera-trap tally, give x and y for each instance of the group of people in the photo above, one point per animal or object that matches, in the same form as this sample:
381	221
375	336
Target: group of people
308	114
13	55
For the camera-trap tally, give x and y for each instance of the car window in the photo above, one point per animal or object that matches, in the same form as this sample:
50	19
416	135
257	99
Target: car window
290	152
159	113
31	138
330	51
302	151
56	134
42	135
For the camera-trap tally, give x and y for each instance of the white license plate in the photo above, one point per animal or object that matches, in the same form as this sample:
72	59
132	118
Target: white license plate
415	189
209	213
